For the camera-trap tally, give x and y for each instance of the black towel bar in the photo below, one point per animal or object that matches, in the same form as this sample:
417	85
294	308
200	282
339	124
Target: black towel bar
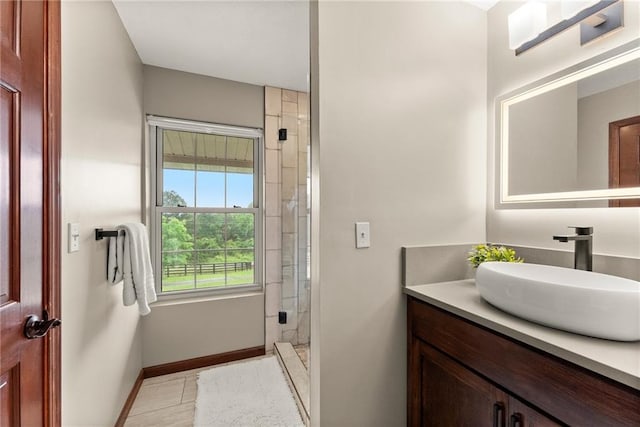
100	233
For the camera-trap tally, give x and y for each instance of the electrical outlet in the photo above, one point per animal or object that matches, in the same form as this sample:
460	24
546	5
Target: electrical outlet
363	236
74	237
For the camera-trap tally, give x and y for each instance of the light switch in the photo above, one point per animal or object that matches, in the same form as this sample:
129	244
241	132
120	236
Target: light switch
74	237
363	236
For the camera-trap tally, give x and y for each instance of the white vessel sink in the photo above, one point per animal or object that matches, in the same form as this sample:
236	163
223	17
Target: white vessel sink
593	304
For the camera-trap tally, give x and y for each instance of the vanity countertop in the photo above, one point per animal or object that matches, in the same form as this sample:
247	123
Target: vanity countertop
619	361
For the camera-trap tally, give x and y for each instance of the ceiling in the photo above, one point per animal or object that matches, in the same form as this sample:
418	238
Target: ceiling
483	4
259	42
262	42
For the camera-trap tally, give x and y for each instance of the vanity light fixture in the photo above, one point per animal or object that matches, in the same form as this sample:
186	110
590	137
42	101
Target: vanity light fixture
594	21
526	23
570	8
599	24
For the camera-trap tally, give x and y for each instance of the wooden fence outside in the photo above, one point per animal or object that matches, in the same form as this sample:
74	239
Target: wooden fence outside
183	270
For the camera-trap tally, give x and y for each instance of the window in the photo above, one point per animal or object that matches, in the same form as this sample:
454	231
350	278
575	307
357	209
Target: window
207	217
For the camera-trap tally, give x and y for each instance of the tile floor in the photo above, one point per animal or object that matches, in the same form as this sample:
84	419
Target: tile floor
170	400
303	354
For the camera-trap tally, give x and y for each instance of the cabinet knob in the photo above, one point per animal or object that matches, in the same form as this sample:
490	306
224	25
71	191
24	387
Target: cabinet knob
516	420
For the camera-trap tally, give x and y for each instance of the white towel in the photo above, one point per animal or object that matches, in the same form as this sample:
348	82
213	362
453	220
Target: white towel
129	260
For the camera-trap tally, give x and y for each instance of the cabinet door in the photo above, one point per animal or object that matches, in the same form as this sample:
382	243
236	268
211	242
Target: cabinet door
565	392
447	394
522	415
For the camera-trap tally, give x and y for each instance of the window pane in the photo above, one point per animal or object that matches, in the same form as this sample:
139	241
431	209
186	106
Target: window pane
240	190
240	267
210	231
210	189
178	188
211	170
178	168
177	252
240	249
225	249
240	231
240	170
177	232
207	170
210	269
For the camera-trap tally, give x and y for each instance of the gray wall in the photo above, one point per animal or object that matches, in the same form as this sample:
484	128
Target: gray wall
178	330
617	230
101	158
177	94
595	112
543	140
182	330
400	142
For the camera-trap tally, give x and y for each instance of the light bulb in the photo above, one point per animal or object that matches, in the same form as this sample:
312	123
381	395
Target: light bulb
526	23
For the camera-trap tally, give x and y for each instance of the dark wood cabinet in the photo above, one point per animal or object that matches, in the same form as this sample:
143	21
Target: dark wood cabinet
522	415
462	374
448	394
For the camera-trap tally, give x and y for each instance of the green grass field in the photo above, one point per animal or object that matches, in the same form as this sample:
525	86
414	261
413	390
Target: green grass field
182	283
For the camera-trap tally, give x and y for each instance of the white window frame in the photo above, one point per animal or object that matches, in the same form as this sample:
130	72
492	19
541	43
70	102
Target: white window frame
157	209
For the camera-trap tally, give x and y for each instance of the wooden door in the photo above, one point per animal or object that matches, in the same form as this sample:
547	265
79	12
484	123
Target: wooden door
624	158
29	210
451	395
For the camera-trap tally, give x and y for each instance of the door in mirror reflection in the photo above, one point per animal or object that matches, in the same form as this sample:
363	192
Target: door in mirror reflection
624	157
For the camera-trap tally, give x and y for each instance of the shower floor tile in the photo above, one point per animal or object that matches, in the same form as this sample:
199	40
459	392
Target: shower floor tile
297	375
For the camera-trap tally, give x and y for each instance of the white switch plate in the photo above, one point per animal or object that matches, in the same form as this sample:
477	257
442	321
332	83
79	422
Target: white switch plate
363	236
74	237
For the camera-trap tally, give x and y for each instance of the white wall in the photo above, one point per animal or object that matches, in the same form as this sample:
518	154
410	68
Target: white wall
617	230
180	330
101	154
402	122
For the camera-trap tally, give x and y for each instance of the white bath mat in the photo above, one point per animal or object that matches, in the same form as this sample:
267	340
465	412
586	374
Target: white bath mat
246	394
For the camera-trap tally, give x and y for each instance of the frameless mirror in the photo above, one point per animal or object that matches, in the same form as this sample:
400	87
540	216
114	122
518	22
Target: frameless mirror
573	138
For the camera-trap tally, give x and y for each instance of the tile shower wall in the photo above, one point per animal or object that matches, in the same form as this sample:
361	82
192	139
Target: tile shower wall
286	213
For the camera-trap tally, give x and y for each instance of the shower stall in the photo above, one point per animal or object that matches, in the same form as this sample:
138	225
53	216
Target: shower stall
287	217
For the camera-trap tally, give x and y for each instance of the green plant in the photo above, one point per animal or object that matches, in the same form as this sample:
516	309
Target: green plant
483	253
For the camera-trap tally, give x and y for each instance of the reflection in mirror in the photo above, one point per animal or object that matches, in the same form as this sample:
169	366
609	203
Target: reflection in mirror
576	137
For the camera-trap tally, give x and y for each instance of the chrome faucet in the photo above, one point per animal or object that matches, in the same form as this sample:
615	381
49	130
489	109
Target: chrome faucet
583	254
